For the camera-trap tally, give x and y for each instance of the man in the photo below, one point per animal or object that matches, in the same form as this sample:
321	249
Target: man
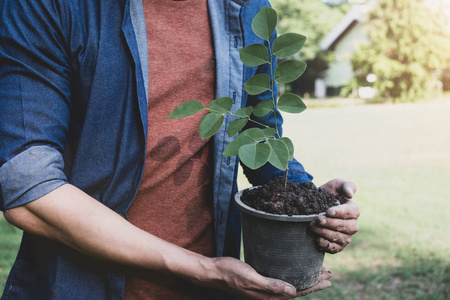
90	169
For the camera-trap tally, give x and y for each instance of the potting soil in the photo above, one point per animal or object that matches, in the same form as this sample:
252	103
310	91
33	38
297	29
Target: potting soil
294	199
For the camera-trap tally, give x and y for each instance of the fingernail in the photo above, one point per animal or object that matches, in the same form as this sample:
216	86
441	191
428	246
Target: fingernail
322	221
332	212
290	290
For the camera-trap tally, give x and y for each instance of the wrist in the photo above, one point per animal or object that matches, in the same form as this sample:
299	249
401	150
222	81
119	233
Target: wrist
195	268
207	274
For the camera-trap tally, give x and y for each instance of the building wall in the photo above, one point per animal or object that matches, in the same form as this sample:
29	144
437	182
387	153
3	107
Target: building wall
340	70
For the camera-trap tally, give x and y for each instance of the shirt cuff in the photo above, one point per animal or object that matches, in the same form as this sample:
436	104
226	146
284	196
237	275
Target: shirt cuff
30	175
297	172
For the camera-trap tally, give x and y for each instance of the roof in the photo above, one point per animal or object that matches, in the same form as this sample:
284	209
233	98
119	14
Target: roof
357	13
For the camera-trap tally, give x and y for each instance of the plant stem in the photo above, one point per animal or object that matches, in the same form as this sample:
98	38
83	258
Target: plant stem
256	122
272	81
251	120
285	177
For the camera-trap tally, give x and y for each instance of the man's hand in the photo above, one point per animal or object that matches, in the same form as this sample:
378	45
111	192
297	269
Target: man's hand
340	223
239	278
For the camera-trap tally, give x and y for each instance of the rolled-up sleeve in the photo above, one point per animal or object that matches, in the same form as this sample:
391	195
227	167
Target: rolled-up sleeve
31	175
35	89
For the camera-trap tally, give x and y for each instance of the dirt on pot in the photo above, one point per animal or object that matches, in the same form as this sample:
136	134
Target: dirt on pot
294	199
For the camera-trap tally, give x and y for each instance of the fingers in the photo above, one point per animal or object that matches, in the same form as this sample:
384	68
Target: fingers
334	234
271	286
322	284
278	287
348	226
333	241
325	274
271	289
242	280
340	187
330	247
348	189
348	210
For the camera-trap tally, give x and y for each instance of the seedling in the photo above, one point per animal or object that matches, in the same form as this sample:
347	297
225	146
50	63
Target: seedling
260	144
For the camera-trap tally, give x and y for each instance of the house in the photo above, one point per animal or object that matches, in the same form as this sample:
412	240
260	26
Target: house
342	40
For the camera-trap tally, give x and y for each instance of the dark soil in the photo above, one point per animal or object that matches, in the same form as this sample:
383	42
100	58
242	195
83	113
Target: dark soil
296	199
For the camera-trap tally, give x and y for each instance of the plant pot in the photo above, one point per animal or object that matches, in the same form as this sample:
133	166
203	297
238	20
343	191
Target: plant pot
281	246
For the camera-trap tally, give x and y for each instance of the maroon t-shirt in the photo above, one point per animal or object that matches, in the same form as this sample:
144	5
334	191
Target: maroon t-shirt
174	200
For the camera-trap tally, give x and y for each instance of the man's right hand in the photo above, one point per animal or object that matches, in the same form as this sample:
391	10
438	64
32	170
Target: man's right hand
239	278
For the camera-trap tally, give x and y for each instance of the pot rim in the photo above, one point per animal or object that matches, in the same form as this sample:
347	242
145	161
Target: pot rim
265	215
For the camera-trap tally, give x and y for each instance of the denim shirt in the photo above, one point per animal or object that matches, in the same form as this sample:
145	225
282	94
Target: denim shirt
73	109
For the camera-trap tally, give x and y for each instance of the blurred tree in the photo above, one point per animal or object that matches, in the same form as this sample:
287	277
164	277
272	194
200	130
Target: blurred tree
446	79
409	46
314	19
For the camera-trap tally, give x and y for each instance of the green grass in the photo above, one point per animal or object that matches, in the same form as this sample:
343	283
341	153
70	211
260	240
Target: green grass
399	157
9	245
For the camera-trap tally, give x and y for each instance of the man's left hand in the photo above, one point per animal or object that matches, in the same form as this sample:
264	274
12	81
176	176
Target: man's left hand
336	228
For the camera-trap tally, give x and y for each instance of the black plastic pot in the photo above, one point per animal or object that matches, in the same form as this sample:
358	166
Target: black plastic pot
281	246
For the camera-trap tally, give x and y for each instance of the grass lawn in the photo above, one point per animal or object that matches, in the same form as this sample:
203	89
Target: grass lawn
9	244
399	157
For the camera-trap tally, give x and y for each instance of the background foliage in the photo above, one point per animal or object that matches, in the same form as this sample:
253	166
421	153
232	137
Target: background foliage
409	48
314	19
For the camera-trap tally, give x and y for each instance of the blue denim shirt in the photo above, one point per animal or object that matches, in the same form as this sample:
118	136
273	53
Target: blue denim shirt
73	109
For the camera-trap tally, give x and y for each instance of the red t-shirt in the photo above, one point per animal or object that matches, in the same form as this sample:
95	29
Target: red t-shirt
174	200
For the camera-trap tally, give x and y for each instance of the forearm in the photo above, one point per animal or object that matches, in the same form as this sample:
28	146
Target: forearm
72	217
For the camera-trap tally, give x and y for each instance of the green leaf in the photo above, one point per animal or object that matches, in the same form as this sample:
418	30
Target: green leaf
290	147
233	148
210	124
269	132
288	44
221	105
236	126
255	133
186	109
279	156
291	103
254	156
254	55
289	70
263	108
249	136
264	23
257	84
244	112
